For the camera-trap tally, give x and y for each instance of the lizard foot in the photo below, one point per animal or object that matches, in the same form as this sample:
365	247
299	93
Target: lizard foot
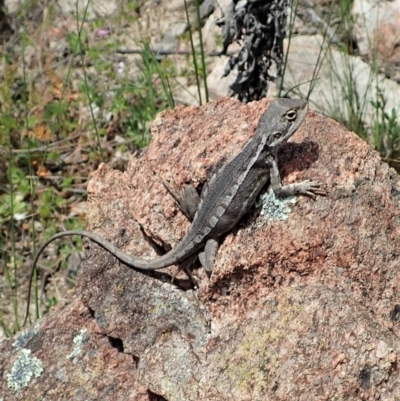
312	188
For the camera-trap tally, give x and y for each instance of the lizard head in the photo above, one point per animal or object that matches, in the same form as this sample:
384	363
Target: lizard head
280	121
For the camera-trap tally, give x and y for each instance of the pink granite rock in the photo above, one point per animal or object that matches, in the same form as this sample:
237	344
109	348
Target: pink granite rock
305	307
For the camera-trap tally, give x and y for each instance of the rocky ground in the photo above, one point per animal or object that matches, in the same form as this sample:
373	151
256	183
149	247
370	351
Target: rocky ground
299	307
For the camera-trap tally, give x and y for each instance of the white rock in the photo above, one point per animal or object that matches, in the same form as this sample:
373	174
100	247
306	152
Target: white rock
331	89
217	85
93	10
377	28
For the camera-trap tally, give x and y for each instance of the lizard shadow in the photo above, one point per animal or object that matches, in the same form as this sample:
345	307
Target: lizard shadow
294	156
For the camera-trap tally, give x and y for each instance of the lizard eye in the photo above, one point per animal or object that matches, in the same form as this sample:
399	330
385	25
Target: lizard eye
291	115
277	135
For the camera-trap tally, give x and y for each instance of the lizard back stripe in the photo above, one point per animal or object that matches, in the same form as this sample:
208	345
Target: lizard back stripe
213	221
241	178
220	211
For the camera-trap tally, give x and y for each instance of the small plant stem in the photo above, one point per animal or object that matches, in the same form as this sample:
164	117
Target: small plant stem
193	53
202	54
79	42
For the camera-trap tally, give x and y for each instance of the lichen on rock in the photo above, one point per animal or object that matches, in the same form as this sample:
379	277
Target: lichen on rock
23	370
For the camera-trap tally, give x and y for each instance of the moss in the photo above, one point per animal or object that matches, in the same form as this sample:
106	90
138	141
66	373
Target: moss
24	368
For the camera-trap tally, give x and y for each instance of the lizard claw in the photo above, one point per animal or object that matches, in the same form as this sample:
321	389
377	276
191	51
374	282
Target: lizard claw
313	188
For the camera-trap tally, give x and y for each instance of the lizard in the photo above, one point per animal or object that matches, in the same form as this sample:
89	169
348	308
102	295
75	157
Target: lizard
226	197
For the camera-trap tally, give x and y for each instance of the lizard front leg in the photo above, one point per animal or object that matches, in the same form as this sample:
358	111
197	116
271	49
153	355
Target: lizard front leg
307	187
187	199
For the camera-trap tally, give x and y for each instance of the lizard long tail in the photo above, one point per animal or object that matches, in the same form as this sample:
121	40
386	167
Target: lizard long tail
143	264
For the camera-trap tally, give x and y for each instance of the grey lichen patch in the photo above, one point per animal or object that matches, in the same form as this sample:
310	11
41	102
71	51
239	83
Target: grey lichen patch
24	368
24	337
78	340
275	208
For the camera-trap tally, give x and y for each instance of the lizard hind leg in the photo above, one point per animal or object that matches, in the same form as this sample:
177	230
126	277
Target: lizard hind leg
207	257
